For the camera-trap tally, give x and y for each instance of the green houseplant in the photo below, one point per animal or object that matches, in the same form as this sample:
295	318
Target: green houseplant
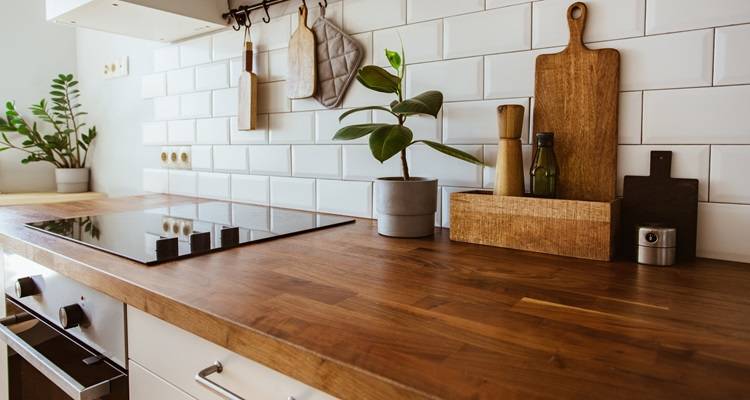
405	205
66	146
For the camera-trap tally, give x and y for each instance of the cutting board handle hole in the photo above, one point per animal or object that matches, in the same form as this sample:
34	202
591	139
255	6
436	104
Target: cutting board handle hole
576	12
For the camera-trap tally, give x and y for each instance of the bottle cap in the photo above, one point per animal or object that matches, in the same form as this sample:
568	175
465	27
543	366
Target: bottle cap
545	138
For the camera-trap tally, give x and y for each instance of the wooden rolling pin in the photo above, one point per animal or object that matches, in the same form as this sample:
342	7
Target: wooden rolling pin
509	167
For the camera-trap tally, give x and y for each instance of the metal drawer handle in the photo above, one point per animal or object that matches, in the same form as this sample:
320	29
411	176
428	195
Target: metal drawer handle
60	378
202	378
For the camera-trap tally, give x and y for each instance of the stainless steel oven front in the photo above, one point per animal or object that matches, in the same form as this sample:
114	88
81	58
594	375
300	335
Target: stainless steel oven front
64	340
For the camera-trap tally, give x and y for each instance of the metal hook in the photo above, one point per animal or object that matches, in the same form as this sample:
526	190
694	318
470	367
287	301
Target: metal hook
324	4
237	25
267	18
248	22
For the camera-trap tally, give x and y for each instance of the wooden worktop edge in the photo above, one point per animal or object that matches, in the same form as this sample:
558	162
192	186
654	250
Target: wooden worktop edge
336	378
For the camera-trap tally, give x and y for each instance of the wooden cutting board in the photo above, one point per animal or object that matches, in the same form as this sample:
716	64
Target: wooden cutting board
302	75
247	119
660	199
577	98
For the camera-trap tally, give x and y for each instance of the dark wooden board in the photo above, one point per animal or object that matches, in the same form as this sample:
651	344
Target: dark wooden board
577	92
658	198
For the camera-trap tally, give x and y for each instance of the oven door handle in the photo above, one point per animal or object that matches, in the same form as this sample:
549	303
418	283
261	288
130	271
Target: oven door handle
60	378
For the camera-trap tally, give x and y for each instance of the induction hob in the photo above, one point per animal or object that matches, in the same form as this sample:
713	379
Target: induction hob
166	234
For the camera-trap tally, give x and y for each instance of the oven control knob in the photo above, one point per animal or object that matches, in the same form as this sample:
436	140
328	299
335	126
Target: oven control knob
26	287
71	316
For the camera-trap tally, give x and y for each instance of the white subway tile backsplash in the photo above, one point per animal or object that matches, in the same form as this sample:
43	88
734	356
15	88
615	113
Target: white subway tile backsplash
722	231
327	124
296	193
295	128
155	180
273	35
202	158
422	42
316	161
347	198
181	81
687	162
183	183
274	98
512	74
166	58
359	164
270	160
729	181
212	76
213	186
504	3
195	51
181	132
445	203
429	163
664	61
227	44
251	189
490	161
166	108
459	80
230	158
424	127
213	131
257	136
195	105
475	122
154	133
225	102
153	85
630	118
732	60
360	96
696	116
367	15
422	10
306	104
277	65
681	15
606	20
509	28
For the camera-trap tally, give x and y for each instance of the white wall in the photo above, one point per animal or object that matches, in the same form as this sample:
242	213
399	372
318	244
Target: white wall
33	52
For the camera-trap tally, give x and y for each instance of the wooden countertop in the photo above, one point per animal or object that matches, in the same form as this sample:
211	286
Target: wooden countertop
371	318
14	199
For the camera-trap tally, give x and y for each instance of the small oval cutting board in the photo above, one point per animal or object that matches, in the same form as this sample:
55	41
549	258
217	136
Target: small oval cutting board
302	79
576	98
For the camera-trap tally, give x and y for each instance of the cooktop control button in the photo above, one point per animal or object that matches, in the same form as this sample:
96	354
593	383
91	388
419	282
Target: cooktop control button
71	316
26	287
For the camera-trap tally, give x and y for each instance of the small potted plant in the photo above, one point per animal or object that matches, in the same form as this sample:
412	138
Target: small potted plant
405	205
66	147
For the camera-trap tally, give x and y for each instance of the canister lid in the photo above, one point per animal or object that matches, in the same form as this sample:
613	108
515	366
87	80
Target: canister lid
657	236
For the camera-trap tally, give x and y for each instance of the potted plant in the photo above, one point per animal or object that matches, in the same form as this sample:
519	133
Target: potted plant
66	147
405	205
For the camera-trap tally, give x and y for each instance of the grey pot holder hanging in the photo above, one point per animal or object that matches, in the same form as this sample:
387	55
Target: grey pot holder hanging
339	56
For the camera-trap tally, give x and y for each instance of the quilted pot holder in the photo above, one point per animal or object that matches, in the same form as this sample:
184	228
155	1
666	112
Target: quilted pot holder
339	56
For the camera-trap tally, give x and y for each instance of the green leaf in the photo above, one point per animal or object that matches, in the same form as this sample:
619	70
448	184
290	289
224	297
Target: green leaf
73	83
378	79
356	131
4	148
389	140
428	103
355	110
69	77
57	93
453	152
393	58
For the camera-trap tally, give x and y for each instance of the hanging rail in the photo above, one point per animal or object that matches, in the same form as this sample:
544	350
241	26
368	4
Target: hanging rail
241	14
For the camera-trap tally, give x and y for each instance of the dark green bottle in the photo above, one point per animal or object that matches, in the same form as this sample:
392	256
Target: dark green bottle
544	170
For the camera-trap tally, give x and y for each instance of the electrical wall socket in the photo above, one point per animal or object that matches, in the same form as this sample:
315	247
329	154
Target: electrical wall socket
116	68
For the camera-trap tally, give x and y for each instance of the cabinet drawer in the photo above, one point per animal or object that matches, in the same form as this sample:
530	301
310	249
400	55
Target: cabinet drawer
145	385
177	356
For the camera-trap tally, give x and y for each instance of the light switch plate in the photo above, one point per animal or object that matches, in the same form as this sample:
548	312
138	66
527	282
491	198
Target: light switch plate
116	68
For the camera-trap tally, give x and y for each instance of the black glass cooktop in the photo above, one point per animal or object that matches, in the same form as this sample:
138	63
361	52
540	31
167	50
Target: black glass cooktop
166	234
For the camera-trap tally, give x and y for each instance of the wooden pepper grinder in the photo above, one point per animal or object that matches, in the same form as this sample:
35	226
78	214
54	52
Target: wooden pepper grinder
509	168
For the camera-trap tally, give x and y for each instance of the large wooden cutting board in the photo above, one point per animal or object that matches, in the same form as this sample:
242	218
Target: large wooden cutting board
302	74
660	199
576	99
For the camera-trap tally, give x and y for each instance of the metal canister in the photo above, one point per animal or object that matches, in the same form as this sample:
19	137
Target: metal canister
657	245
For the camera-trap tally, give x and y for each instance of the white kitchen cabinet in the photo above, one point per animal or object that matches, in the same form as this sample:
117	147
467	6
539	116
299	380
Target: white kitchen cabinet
176	356
162	20
145	385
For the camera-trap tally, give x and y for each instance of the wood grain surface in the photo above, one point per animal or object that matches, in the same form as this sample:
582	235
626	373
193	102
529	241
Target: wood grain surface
366	317
577	93
302	77
17	199
509	164
247	120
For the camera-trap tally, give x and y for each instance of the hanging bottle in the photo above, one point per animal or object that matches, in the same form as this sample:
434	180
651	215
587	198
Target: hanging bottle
544	169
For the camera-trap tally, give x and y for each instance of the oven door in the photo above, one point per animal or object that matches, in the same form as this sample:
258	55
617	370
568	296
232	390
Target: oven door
45	363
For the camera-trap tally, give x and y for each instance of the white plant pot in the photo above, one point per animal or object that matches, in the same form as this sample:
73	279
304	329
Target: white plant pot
406	209
72	180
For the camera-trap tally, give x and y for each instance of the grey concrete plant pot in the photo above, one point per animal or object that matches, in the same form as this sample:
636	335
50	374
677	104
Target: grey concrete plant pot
406	209
72	180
